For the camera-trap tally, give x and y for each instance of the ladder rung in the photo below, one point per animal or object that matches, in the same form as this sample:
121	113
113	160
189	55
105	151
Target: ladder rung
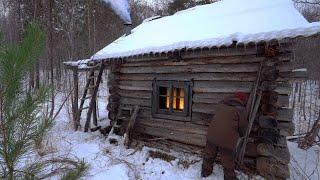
84	108
122	117
86	98
126	108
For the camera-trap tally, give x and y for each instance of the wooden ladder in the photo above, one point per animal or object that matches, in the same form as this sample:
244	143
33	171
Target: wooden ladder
133	113
130	126
93	86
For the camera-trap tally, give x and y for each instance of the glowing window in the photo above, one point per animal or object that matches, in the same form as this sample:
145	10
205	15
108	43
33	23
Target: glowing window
171	99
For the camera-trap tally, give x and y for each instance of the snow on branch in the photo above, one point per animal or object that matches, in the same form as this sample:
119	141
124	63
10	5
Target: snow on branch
121	8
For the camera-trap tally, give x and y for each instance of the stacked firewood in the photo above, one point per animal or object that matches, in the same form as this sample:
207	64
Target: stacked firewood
268	147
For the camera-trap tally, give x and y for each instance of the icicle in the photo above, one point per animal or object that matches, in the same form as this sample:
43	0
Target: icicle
279	44
256	46
245	48
227	50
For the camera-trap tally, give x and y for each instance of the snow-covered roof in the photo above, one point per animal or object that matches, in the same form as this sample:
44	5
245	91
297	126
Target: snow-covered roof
213	25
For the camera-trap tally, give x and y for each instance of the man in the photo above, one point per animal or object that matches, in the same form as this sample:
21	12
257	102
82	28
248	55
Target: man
226	128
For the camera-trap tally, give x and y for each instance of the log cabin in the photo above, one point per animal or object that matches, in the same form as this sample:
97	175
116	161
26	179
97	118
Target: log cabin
171	72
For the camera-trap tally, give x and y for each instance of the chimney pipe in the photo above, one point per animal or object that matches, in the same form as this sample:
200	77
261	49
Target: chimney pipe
128	28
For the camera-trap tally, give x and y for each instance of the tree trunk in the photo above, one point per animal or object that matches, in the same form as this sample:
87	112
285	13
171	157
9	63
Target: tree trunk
50	52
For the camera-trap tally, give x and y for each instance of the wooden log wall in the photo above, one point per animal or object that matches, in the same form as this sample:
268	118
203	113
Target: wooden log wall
113	86
215	75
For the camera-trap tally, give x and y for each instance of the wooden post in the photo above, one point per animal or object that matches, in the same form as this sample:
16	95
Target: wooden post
76	118
94	113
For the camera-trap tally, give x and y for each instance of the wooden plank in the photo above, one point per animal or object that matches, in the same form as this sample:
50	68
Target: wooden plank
136	83
135	94
135	101
205	86
135	88
231	87
204	108
215	98
208	68
193	68
284	114
201	118
221	86
189	76
186	127
180	136
199	77
210	98
204	61
197	61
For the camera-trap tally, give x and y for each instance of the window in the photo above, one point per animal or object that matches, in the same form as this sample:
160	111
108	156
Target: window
171	100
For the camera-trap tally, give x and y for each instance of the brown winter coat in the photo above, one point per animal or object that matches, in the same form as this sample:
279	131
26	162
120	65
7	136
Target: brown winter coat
228	124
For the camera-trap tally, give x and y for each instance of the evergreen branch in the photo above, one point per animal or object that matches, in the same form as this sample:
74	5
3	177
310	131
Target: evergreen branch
22	122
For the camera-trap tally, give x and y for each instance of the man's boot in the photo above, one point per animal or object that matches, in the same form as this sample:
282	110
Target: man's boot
209	156
229	174
207	167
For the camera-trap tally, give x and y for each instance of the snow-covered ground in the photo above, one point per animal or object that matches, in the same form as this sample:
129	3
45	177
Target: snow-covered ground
110	161
304	164
115	161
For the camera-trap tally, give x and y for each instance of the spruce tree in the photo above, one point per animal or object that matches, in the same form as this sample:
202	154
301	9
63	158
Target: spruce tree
22	121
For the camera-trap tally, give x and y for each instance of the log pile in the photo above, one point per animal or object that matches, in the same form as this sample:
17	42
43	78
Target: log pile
269	148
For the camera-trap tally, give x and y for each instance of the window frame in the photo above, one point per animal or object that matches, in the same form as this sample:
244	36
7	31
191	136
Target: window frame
171	114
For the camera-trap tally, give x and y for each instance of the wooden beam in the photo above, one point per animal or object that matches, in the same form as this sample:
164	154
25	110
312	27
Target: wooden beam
198	60
76	118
